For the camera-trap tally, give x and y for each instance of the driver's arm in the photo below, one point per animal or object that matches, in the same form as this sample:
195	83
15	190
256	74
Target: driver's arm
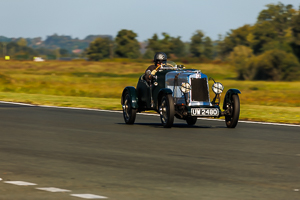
148	75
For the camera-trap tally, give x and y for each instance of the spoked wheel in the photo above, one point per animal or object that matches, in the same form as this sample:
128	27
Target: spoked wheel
234	107
191	120
129	113
167	111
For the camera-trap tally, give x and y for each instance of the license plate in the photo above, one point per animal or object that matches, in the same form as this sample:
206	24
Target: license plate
205	112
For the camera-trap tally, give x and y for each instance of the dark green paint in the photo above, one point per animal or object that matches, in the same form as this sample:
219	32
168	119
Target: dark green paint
132	92
228	95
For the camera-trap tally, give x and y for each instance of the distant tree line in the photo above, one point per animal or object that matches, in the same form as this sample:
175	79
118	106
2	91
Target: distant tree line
19	51
267	50
53	47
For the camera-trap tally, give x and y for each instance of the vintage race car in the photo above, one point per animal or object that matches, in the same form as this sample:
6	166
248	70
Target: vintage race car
183	93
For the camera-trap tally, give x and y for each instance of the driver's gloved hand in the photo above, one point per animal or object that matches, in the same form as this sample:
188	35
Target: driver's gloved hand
153	72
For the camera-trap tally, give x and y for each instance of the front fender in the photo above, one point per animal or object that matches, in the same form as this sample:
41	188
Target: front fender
228	95
132	92
163	91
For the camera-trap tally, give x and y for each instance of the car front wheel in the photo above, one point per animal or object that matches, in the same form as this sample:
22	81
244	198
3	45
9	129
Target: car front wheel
167	111
234	107
129	113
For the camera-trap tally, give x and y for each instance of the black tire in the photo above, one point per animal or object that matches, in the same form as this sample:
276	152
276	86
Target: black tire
167	111
232	119
191	120
129	113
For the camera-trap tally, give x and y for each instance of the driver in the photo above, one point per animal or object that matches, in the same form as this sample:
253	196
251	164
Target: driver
160	59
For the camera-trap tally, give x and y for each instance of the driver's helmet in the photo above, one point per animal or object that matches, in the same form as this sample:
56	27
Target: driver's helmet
160	57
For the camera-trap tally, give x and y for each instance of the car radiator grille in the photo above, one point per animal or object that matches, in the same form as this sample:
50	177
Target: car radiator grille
199	89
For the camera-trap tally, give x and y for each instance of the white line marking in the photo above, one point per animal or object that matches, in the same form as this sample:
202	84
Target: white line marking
21	183
296	190
269	123
74	108
88	196
0	179
253	122
53	189
23	104
150	114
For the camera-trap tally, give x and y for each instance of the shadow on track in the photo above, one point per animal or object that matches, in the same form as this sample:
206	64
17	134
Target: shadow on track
159	125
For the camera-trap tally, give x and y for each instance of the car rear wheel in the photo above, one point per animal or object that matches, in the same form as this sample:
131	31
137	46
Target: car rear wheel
167	111
191	120
129	113
234	107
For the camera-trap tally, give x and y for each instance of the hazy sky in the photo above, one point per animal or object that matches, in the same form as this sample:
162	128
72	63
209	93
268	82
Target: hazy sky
79	18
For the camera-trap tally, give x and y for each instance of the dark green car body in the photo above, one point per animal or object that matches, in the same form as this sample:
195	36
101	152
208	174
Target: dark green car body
164	95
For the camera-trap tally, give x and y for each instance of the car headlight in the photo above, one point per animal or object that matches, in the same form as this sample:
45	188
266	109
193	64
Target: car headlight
185	87
217	88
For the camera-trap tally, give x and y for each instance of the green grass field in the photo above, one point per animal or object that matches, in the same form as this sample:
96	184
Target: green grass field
100	84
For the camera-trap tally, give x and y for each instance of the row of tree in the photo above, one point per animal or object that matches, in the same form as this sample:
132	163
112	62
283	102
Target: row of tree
267	50
126	45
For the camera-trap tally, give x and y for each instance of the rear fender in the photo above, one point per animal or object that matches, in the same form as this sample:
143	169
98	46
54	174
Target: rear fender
228	95
132	92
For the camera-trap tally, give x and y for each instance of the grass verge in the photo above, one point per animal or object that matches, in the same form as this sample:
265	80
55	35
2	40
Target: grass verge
65	101
277	114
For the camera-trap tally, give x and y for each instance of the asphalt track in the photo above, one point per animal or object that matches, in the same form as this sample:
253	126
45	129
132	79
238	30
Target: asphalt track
93	153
